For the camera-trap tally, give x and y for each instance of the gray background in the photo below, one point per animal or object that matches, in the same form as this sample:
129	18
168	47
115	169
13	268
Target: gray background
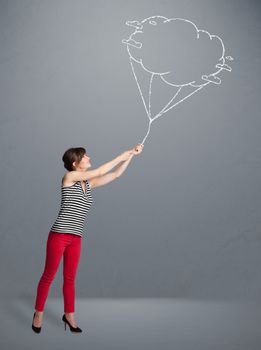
184	220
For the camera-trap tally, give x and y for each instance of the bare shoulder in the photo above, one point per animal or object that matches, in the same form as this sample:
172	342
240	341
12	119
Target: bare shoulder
74	176
67	181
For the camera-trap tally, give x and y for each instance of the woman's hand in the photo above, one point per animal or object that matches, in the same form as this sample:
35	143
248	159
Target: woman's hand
131	152
126	158
138	149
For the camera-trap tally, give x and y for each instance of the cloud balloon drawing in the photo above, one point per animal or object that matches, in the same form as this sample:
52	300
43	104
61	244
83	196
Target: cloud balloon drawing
173	54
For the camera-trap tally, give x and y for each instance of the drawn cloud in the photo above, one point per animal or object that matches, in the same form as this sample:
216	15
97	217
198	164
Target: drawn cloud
177	50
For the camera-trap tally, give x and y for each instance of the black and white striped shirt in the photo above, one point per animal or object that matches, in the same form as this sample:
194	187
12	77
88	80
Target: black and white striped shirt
74	207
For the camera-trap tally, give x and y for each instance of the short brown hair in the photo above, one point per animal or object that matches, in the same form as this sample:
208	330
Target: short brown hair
73	154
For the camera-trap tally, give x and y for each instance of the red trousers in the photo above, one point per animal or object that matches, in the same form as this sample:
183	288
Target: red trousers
58	245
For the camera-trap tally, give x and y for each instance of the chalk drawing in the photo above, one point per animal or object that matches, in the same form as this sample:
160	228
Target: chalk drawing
176	53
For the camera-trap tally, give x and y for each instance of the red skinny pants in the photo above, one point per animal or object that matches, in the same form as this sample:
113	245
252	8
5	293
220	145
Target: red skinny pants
58	245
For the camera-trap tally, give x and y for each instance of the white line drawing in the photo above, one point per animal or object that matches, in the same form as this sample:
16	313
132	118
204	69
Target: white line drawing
195	60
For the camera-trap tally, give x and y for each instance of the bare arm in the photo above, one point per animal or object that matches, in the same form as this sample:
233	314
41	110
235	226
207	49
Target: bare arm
107	178
100	171
105	168
120	170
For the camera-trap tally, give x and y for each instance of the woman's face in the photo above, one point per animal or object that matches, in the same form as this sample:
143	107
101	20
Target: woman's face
84	163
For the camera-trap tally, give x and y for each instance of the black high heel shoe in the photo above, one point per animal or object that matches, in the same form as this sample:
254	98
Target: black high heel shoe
72	329
36	329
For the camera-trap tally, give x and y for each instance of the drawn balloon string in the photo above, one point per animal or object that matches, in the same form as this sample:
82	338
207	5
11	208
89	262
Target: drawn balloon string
175	51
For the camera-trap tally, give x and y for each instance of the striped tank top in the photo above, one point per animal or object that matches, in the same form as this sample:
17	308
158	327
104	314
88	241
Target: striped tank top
73	210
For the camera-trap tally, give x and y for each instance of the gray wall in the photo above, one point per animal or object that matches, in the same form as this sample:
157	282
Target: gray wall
184	220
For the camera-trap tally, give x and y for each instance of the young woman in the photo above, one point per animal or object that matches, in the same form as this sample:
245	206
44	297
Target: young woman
64	239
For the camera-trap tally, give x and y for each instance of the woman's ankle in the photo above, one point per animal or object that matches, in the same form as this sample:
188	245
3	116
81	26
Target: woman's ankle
38	313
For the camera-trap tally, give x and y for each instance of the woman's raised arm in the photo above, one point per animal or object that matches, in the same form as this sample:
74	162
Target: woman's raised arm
75	175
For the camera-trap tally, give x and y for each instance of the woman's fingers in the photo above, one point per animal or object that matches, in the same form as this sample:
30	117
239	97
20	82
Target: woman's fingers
137	149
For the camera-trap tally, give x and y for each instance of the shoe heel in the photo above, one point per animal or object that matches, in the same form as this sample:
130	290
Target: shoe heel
72	329
36	329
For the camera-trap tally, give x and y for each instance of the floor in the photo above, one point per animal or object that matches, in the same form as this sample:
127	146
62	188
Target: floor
135	324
